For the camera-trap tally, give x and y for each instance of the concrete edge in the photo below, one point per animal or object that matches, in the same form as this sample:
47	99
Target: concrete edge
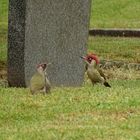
115	32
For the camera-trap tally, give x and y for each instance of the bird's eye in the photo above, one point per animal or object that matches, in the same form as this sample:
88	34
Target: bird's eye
89	59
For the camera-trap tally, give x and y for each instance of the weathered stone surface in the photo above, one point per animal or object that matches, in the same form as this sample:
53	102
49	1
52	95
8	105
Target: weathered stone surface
16	43
52	31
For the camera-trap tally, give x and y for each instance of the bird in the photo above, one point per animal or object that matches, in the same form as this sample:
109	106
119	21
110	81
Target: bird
94	72
39	81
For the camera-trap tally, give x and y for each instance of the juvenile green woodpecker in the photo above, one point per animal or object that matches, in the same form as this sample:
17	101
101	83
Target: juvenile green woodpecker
39	81
94	72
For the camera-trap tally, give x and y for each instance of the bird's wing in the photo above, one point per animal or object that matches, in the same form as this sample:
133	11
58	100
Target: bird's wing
86	67
37	82
101	72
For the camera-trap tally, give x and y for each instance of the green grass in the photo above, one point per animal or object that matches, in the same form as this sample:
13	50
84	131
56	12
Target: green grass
3	10
72	113
115	14
3	47
3	16
3	29
116	48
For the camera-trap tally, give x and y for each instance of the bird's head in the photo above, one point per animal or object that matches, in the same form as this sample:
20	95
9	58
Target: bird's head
41	67
90	58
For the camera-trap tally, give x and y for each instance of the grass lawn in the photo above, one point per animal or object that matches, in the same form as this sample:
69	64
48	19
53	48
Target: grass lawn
116	48
3	29
3	15
84	113
3	47
115	14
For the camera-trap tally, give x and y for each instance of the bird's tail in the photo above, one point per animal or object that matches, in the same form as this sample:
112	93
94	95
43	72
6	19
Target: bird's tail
106	84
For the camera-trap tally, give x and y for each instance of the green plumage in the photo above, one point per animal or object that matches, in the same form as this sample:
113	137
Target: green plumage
37	82
95	74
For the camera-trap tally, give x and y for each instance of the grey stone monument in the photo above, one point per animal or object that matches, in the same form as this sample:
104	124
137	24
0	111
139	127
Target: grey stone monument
53	31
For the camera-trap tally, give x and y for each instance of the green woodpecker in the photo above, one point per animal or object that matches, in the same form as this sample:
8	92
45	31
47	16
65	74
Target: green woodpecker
39	81
94	72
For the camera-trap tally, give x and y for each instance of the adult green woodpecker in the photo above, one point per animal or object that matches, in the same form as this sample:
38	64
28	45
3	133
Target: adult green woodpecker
39	81
94	72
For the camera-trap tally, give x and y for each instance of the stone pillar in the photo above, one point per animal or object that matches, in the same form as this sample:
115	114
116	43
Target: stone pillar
53	31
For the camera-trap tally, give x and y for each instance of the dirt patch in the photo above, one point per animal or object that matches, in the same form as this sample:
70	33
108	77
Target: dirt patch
3	70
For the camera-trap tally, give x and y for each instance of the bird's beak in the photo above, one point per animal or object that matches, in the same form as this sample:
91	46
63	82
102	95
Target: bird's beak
83	57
